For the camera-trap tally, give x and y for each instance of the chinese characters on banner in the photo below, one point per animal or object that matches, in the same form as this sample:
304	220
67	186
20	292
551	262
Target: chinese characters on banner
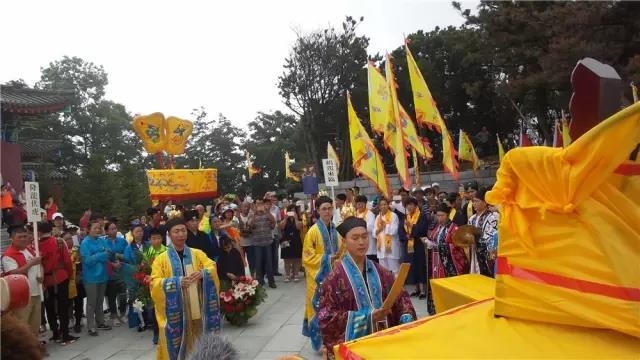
33	201
330	172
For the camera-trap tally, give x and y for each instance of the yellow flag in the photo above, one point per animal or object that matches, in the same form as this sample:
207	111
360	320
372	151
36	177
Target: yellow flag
287	170
331	154
500	149
566	136
393	137
252	169
378	99
411	134
178	132
449	154
466	150
151	129
426	111
366	159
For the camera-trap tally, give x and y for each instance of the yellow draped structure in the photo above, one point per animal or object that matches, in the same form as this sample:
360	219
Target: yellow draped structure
451	292
472	332
569	233
182	184
161	269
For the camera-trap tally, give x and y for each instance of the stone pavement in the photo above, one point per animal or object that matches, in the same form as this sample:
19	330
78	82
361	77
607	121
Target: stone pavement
274	332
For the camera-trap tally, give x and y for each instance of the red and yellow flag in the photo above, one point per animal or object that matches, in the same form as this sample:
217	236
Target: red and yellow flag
466	150
366	159
449	162
252	169
426	110
410	134
393	134
379	99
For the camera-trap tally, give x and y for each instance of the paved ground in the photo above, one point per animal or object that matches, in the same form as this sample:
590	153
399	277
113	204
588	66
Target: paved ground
274	332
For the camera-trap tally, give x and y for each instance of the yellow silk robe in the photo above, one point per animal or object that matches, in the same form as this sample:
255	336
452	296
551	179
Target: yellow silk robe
315	261
161	269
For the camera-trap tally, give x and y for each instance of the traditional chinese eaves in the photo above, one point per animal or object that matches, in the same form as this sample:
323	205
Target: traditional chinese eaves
31	101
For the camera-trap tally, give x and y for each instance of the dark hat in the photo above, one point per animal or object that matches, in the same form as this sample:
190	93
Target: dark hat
413	201
174	222
442	207
349	224
152	211
15	228
190	215
482	193
322	200
44	227
472	185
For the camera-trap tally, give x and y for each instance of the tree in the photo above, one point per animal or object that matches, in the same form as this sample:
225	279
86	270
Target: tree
216	144
320	69
270	135
535	46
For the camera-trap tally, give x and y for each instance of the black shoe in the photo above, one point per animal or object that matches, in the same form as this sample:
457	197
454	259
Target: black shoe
277	274
68	339
104	327
272	285
141	328
422	296
77	328
415	293
55	338
93	333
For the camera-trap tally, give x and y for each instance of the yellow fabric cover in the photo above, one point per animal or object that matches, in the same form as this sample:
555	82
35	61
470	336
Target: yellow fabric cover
472	332
160	270
182	183
455	291
565	213
312	252
151	129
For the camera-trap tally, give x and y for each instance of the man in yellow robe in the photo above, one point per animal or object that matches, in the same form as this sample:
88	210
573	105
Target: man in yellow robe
318	254
173	273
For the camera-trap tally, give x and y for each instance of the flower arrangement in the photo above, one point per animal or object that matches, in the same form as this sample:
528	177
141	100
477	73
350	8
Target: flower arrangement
240	298
143	278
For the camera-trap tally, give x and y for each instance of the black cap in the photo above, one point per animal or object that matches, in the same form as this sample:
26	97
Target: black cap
349	224
174	222
44	227
482	193
472	185
190	215
322	200
442	207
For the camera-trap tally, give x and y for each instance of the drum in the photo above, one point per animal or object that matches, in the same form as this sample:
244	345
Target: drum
14	292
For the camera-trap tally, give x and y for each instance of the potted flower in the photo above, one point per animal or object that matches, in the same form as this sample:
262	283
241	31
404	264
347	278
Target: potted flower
240	298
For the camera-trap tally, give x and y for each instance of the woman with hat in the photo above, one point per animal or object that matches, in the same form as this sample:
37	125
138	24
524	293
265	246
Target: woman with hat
351	296
446	259
487	221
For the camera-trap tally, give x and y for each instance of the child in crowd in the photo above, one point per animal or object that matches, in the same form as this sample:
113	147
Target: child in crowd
156	248
229	264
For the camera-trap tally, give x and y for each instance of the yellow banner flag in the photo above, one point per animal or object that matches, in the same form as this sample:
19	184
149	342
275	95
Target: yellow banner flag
287	170
150	128
331	154
449	161
379	99
182	184
426	110
366	159
410	134
252	169
500	149
466	150
178	132
393	135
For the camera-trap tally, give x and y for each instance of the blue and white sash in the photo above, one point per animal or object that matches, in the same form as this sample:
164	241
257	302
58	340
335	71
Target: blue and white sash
359	323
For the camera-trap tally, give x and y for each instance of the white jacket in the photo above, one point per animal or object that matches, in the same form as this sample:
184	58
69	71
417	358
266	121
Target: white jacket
391	229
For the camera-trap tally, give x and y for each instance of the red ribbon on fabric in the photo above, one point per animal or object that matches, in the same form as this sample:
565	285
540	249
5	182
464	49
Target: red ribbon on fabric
628	169
612	291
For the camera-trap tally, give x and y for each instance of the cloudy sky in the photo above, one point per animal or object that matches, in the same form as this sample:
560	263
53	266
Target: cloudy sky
173	56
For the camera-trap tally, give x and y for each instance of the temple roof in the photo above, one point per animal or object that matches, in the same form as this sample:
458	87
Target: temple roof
32	101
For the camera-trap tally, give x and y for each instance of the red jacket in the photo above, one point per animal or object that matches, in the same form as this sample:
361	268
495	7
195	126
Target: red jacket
56	261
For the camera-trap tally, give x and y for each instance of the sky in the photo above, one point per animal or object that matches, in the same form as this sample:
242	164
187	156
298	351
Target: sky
174	56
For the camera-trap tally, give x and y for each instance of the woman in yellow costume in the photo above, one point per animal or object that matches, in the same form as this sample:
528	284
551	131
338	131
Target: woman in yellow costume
319	251
170	292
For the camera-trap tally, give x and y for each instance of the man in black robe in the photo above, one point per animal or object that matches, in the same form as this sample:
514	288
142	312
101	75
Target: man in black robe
198	239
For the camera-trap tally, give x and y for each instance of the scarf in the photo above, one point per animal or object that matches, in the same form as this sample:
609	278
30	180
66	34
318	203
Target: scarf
382	237
409	222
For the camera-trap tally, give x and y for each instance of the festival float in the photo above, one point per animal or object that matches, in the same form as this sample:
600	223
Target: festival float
169	135
567	282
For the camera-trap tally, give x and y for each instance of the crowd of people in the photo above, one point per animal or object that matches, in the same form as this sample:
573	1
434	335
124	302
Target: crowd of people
89	267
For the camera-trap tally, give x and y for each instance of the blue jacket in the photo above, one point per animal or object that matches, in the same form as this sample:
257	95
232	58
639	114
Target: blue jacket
117	246
95	254
130	252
